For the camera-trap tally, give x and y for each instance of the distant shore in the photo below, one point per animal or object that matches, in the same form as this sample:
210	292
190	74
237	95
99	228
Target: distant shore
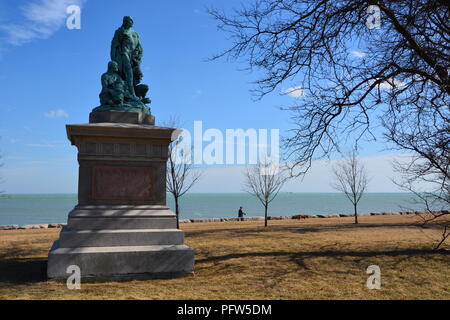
53	208
254	218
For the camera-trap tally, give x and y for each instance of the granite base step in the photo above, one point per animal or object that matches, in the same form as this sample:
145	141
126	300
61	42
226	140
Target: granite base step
111	223
125	237
120	260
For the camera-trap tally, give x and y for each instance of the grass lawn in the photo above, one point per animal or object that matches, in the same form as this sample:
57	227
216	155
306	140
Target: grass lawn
291	259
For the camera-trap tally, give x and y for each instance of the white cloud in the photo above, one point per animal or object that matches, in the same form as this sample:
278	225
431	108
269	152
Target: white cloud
358	54
40	20
27	129
15	158
198	93
40	145
56	114
295	92
390	84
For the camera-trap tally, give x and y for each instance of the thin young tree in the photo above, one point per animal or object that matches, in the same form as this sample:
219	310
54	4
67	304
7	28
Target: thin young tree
181	175
264	181
350	177
1	179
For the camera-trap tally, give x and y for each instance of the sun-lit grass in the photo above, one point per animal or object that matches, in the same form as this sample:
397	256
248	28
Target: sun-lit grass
291	259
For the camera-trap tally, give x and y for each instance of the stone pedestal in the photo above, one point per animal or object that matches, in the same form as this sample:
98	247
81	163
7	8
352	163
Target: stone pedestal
121	117
121	225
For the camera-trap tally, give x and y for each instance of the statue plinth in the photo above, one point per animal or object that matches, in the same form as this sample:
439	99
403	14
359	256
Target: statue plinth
121	117
121	225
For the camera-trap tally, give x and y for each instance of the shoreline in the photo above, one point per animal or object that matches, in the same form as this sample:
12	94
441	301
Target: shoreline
229	219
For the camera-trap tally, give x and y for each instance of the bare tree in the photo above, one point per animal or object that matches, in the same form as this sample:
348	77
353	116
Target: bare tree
350	71
264	181
355	72
351	178
1	179
427	173
180	173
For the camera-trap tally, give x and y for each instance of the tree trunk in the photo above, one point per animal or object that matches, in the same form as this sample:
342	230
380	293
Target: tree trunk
177	212
356	213
265	215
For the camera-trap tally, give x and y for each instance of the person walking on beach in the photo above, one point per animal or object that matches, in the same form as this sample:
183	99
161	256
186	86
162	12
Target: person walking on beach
241	214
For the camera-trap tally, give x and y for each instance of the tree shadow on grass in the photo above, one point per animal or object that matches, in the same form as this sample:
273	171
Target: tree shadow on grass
298	257
19	265
23	270
301	229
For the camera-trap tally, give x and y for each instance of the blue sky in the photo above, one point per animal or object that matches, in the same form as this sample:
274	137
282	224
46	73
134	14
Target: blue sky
50	76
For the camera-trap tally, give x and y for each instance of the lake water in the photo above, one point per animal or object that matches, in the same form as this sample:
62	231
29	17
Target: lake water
53	208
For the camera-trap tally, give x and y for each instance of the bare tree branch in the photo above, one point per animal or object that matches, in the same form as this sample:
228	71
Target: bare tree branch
399	81
404	67
1	179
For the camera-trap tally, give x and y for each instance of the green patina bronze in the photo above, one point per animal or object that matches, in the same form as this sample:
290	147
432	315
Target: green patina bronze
121	84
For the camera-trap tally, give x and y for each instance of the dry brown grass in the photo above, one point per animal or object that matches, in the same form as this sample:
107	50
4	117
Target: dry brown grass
291	259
